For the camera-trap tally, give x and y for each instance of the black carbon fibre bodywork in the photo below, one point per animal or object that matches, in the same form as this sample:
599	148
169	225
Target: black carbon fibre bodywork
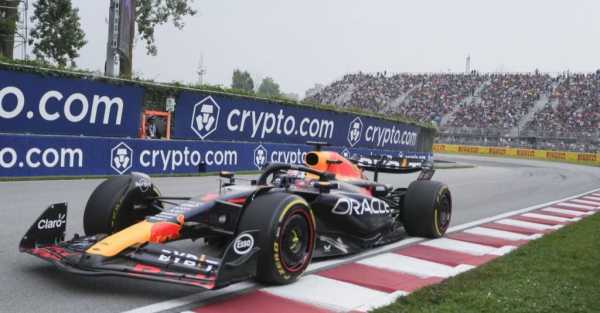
350	216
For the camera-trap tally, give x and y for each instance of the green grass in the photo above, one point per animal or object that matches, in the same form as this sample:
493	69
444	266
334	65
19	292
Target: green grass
557	273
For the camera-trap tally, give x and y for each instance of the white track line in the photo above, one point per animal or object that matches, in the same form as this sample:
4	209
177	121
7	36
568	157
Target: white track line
198	297
238	287
592	198
593	203
383	301
551	217
459	246
327	293
575	205
343	260
516	212
565	211
502	234
409	265
529	225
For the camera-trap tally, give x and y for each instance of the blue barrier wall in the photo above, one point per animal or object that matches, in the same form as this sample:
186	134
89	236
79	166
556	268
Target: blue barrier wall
33	103
203	116
35	155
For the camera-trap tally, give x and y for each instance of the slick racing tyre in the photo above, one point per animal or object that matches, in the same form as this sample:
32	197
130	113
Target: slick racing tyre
427	209
119	202
286	236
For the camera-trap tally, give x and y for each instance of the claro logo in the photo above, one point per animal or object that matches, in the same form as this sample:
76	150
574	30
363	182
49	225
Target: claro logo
53	224
53	105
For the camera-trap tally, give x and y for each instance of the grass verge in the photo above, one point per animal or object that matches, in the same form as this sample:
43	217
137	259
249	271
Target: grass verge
557	273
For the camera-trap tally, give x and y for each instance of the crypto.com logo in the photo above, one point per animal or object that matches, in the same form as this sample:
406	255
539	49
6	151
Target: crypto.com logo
205	117
346	153
260	156
121	158
355	131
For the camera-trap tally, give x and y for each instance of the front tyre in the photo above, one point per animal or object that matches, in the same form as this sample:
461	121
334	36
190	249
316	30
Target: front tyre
118	203
286	238
427	209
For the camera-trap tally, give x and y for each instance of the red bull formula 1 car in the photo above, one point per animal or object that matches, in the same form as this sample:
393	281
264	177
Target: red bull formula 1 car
269	229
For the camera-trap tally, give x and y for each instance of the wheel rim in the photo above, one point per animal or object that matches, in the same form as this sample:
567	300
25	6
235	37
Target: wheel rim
444	213
295	241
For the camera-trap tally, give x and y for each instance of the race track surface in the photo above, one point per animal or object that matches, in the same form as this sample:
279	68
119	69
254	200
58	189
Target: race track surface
30	285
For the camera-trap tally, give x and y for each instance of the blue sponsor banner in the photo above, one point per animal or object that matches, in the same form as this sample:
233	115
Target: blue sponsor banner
201	116
33	103
32	155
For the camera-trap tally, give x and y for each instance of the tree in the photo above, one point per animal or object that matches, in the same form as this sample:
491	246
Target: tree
242	81
148	15
8	26
269	88
57	34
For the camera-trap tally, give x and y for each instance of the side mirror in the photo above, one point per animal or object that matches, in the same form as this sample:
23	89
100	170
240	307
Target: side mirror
427	171
228	175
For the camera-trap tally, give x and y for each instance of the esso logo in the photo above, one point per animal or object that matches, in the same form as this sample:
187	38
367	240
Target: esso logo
243	244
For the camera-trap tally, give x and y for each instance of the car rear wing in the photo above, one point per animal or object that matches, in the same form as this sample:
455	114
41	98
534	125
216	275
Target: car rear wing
387	164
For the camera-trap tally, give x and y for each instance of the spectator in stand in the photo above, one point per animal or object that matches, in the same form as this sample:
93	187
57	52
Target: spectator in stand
501	104
574	107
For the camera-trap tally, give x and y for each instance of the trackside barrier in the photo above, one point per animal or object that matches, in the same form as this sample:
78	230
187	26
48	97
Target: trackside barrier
46	102
576	157
204	116
34	103
36	155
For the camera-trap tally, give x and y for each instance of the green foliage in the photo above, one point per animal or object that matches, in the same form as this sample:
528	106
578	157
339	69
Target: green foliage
242	81
57	34
156	93
269	88
152	13
8	26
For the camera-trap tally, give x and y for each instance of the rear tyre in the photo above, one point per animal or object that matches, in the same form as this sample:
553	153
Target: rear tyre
427	209
119	202
286	238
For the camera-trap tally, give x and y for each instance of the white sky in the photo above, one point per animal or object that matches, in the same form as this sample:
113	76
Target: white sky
300	43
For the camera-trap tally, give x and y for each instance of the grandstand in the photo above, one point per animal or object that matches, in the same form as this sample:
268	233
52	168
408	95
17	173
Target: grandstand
531	110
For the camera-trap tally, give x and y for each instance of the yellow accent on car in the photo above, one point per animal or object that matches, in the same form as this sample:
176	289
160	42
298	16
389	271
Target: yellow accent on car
112	245
435	222
291	204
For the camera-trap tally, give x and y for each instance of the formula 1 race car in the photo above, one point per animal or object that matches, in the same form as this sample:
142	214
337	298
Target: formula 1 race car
269	229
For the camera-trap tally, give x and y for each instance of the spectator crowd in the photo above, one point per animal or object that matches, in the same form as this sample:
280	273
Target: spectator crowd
510	105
